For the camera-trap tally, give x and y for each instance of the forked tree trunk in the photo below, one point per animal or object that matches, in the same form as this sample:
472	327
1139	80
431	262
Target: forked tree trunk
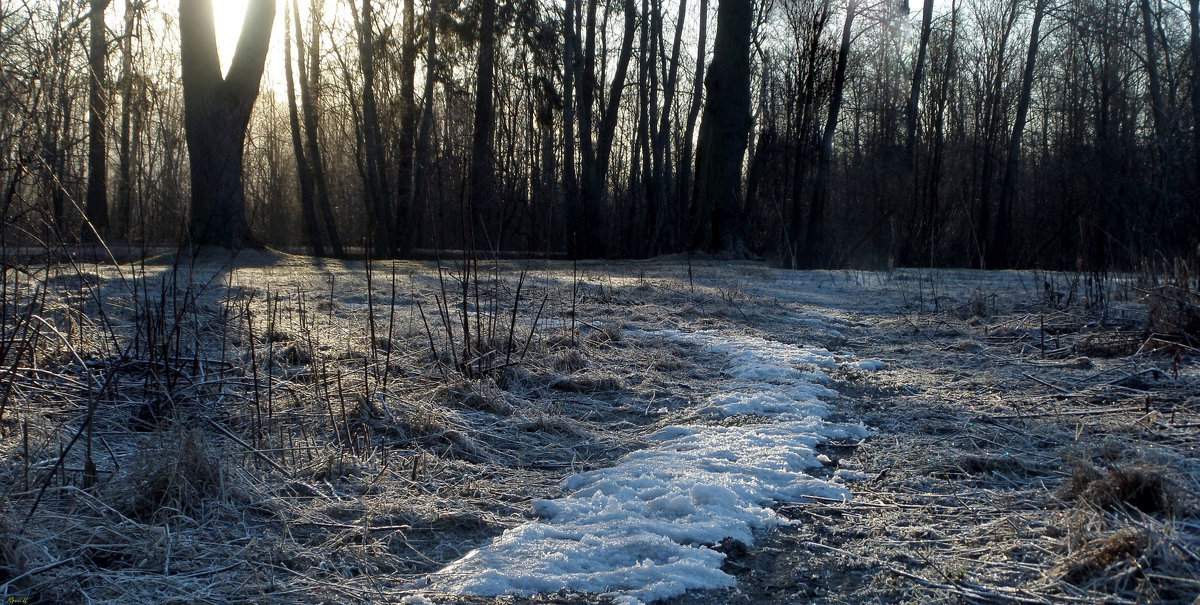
1194	39
660	235
571	201
382	235
1162	119
216	115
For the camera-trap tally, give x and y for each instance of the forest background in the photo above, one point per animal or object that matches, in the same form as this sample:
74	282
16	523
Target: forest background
980	133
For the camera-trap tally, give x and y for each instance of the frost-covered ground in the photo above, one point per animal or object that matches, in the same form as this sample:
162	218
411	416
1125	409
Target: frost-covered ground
635	431
640	530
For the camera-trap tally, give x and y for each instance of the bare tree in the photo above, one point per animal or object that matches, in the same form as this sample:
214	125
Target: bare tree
999	246
308	211
310	85
216	114
815	254
382	227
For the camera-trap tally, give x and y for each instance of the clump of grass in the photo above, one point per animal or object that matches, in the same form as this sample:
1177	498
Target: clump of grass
183	476
482	394
1142	560
12	561
559	425
569	360
589	382
1097	558
1135	486
968	345
607	334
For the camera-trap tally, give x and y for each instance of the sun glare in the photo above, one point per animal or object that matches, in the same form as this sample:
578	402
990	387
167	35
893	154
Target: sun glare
227	21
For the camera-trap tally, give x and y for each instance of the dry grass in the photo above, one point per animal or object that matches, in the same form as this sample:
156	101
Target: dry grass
271	447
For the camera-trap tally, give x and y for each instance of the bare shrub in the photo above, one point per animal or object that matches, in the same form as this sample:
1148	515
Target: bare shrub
1174	302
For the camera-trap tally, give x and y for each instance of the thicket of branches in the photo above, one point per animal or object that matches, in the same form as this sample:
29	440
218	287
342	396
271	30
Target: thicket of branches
976	132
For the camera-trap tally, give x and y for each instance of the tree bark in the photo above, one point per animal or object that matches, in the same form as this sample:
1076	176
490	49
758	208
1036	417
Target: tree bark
216	115
595	165
724	131
571	199
662	143
914	95
804	140
1162	121
97	184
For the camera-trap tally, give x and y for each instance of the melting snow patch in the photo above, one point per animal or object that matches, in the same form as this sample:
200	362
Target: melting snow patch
865	365
638	531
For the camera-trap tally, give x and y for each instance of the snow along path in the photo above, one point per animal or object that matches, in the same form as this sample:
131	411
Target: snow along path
638	531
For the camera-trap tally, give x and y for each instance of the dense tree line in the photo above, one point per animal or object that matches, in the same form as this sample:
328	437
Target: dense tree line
987	133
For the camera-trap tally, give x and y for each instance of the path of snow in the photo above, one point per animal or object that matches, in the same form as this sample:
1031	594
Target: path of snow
639	531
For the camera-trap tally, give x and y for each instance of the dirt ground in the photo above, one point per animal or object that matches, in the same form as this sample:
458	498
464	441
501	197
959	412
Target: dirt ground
277	435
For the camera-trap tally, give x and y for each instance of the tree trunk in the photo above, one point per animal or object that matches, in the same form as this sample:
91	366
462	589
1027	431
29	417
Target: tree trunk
999	248
1194	39
804	140
216	115
308	213
724	130
814	241
309	85
914	95
993	118
585	79
404	153
662	148
1162	122
485	121
571	201
595	167
97	184
683	193
124	155
382	236
653	183
423	160
933	221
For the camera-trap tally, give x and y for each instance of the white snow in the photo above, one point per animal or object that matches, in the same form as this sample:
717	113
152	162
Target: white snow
865	365
639	531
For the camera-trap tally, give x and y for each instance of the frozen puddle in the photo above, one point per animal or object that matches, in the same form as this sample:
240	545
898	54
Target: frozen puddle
640	530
